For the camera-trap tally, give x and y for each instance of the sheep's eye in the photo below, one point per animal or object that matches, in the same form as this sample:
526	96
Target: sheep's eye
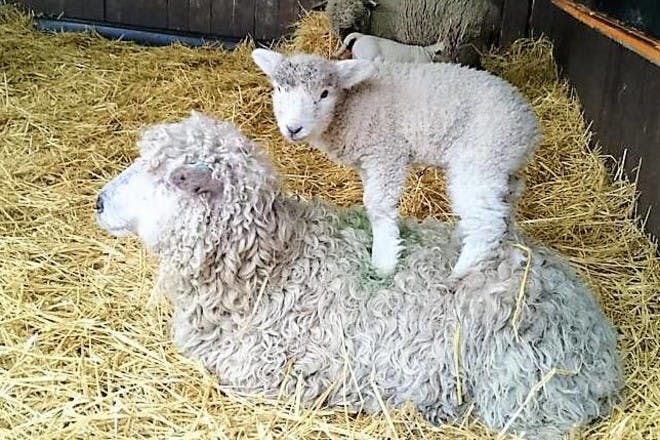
324	94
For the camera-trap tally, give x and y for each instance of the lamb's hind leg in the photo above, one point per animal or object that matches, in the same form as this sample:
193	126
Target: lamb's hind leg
382	188
484	206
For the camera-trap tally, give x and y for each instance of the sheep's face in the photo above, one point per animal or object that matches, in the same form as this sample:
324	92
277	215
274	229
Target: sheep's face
350	15
307	88
136	202
192	166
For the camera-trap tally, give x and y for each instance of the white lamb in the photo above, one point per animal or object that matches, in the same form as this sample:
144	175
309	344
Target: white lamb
369	47
380	118
275	294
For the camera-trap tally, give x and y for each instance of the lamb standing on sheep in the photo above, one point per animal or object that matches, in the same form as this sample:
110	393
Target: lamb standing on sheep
260	281
466	27
368	47
380	118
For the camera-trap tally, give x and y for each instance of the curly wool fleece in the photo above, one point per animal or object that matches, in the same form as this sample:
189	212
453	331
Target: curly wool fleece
259	279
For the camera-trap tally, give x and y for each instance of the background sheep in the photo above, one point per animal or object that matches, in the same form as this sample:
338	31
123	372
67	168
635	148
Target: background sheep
465	26
261	282
368	47
380	118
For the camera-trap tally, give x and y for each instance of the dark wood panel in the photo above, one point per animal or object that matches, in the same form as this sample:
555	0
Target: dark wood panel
47	7
275	17
629	119
80	9
542	18
177	15
233	17
152	13
85	9
199	16
619	91
267	18
514	22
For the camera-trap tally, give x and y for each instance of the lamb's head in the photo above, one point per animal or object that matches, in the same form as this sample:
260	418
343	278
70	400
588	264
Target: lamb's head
306	89
349	16
186	173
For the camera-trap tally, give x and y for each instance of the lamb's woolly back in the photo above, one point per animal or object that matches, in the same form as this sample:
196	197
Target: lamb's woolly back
260	281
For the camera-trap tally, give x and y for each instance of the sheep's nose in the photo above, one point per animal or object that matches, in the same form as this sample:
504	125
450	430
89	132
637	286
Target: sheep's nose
294	130
99	204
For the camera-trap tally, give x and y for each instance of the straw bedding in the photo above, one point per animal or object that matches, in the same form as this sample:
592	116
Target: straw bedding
82	355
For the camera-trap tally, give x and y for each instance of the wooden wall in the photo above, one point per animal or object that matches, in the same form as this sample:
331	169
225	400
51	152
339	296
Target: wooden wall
262	19
620	94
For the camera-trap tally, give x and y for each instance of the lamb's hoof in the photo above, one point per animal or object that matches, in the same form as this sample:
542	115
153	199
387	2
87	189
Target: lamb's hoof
461	270
384	263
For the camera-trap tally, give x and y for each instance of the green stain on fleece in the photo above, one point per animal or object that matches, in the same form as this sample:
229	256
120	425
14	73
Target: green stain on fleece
368	280
356	218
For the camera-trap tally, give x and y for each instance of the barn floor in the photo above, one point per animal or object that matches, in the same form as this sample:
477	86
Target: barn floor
82	354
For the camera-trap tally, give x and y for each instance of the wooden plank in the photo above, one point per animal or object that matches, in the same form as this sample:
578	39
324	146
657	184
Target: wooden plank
542	19
274	18
629	120
266	19
581	51
619	90
649	176
644	45
177	15
199	16
233	18
151	14
515	19
80	9
85	9
45	7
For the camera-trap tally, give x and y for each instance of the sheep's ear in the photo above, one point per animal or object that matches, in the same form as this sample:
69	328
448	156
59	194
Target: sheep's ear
371	4
353	72
195	179
267	60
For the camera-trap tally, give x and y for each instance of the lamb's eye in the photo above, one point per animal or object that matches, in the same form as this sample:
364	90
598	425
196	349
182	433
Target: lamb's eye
324	94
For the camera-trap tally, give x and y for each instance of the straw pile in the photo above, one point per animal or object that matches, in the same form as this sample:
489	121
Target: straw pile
81	354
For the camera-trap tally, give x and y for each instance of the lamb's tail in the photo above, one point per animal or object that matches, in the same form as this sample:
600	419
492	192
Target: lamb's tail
346	48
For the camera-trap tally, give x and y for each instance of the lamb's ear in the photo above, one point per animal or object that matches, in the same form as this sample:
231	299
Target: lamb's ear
371	4
195	179
353	72
267	60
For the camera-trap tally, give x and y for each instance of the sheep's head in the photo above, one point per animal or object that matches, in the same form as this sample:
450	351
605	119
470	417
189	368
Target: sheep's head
349	16
307	88
185	171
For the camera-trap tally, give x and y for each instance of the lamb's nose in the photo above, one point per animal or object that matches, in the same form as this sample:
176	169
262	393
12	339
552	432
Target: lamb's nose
99	204
294	130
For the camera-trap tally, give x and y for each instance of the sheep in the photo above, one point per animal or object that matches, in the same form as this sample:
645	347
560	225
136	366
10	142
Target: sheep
368	47
467	27
379	118
275	294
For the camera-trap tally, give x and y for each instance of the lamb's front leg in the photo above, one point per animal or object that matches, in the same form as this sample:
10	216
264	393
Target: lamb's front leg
382	189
